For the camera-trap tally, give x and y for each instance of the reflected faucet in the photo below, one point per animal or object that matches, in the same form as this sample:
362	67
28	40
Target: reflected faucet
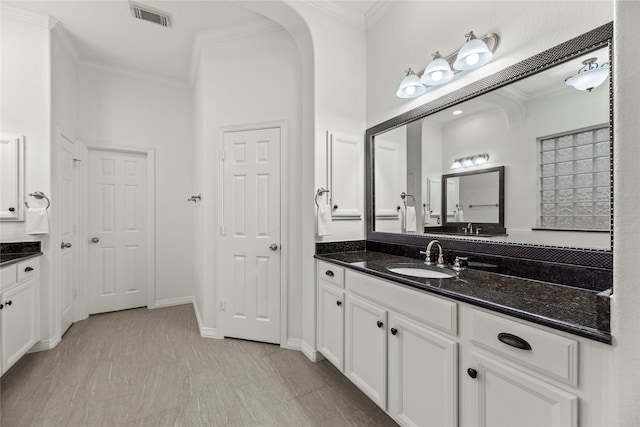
427	254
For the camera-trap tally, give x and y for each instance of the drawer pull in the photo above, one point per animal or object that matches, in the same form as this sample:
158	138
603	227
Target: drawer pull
28	269
514	341
329	273
338	303
380	324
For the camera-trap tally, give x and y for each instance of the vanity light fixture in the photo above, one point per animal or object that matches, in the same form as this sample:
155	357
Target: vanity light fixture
411	87
465	162
473	54
590	76
438	72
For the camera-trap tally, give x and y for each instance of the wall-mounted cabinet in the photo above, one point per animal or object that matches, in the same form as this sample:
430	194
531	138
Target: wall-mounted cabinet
11	178
345	172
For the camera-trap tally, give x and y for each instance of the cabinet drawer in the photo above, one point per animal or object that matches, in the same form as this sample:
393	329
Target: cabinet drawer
7	277
331	273
27	269
433	311
542	351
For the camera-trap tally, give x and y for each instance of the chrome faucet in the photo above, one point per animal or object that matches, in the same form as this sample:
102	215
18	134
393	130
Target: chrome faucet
427	254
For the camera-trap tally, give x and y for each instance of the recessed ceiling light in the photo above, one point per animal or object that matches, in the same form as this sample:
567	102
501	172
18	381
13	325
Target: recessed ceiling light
457	112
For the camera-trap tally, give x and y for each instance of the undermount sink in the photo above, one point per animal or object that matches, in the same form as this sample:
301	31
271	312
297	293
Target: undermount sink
414	270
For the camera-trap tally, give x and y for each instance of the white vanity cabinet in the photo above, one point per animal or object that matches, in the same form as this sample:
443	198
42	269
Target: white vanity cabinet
331	313
20	311
397	350
431	361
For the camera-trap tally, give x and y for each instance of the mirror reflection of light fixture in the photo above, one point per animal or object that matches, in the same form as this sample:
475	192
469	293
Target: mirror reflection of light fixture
475	160
410	86
474	54
590	76
438	72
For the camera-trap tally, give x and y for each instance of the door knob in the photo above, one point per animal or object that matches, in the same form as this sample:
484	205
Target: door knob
65	245
95	240
273	247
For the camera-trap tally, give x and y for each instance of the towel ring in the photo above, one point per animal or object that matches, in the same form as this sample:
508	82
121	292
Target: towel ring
319	193
39	195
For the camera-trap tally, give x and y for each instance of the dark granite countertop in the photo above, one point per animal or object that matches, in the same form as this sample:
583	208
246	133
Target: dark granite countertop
15	252
581	312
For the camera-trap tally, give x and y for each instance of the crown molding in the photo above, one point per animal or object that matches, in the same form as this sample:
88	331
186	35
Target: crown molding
379	9
225	34
60	33
334	9
23	15
109	68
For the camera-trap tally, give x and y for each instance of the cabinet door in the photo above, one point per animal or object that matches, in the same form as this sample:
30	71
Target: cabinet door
366	348
20	322
331	324
423	383
505	396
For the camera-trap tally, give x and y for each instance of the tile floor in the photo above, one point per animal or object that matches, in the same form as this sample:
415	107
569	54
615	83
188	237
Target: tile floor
151	368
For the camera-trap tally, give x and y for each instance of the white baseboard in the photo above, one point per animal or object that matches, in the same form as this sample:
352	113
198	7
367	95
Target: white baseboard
204	331
311	354
293	344
43	345
173	301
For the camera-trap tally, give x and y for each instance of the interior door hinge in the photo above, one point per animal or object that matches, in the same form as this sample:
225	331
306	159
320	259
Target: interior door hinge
223	155
223	230
223	305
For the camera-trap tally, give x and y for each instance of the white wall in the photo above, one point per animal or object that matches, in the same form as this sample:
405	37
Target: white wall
25	109
121	110
625	316
245	81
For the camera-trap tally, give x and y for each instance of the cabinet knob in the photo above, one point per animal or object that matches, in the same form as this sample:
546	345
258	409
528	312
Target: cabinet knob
329	273
472	372
28	269
338	303
8	303
394	331
380	324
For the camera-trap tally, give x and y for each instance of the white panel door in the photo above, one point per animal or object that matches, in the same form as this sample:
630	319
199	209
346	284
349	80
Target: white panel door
251	268
365	361
423	382
67	187
345	176
505	396
118	258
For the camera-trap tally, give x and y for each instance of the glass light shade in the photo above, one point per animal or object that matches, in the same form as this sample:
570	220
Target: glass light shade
467	162
480	159
456	164
590	76
475	53
438	72
410	86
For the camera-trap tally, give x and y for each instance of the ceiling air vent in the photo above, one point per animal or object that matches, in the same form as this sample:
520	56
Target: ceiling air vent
149	14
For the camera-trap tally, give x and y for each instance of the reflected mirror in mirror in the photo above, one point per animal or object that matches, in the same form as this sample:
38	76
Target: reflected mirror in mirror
552	139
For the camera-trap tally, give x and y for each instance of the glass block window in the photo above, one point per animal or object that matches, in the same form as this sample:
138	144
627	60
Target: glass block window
574	181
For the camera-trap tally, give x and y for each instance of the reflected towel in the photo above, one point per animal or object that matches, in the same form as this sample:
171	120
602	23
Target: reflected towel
410	219
37	221
324	220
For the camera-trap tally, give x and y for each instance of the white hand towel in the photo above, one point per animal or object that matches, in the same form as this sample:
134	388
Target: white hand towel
410	219
37	221
324	220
